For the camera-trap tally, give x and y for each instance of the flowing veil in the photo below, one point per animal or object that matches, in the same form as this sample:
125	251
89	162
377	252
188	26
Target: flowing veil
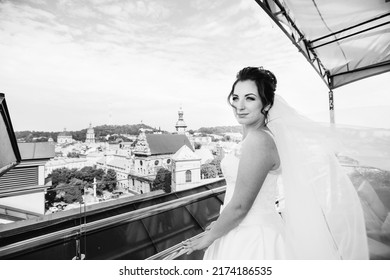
323	213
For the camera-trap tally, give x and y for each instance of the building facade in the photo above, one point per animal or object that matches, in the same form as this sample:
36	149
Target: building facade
27	179
185	168
70	163
64	137
90	137
151	153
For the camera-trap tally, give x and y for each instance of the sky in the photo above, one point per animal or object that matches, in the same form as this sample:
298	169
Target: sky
65	64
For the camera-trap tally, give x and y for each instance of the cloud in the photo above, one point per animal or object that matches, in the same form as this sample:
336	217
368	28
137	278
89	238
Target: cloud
110	10
85	60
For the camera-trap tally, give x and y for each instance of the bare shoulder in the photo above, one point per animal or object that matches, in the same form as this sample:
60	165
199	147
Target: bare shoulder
259	140
259	148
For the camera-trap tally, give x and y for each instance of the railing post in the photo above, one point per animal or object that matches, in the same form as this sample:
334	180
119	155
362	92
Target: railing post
331	107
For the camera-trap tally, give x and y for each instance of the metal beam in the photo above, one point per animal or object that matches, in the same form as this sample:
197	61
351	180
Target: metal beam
309	54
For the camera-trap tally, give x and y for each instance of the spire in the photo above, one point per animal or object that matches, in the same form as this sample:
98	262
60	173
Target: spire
90	136
180	124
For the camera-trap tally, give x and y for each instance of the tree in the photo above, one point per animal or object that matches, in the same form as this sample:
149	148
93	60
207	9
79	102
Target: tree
73	155
208	171
162	181
50	197
197	145
217	163
62	175
75	190
108	181
88	173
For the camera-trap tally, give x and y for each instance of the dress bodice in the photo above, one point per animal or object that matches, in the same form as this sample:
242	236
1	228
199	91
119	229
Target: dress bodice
263	209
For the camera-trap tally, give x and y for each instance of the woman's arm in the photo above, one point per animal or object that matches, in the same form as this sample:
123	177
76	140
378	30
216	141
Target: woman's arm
258	157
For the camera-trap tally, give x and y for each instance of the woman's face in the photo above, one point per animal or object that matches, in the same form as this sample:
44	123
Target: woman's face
247	104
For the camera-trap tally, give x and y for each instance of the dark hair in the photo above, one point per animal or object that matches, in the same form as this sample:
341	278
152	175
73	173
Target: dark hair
265	82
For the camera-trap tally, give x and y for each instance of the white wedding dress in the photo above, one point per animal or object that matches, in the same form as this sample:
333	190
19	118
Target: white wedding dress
260	235
322	214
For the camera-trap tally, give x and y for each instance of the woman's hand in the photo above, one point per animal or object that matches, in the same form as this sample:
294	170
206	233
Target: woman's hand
201	243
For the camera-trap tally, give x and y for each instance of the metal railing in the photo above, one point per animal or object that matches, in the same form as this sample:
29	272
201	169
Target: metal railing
128	217
175	251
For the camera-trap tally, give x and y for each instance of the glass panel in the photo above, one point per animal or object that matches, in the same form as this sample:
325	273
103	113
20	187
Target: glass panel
374	192
66	234
128	241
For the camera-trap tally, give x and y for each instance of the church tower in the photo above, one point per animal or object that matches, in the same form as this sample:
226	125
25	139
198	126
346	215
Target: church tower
180	124
90	138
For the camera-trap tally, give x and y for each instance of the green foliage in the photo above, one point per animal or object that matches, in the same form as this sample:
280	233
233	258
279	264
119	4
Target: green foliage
162	181
208	171
69	184
62	175
103	130
219	130
88	173
108	181
50	197
40	136
217	163
74	191
197	145
79	135
73	155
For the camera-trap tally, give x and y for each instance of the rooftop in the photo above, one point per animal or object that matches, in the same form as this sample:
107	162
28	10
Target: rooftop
160	144
39	150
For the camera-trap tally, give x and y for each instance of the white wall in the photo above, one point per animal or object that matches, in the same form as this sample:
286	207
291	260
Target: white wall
31	202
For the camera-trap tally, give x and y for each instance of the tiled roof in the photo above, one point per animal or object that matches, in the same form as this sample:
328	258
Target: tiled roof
59	162
64	133
160	144
185	153
39	150
101	160
118	162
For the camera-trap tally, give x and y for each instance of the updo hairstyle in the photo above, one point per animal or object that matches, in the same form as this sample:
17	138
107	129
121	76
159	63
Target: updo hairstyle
265	82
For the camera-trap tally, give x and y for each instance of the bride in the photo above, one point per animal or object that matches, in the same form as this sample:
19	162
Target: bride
286	196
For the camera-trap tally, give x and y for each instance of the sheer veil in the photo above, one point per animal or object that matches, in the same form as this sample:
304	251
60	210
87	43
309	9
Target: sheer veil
323	213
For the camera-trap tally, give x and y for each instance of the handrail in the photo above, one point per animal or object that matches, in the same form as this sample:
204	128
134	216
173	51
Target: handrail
175	251
110	221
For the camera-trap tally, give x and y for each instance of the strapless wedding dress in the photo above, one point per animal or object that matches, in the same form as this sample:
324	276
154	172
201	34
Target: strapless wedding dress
260	235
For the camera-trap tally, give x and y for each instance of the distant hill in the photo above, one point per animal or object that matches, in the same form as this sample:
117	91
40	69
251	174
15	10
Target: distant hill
220	129
101	131
79	135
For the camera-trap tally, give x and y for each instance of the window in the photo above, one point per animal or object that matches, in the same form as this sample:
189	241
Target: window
188	176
